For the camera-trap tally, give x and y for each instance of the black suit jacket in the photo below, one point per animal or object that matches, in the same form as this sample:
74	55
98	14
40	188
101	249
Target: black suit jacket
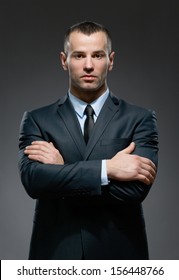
74	214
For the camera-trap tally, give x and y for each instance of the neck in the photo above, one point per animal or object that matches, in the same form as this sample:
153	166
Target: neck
87	95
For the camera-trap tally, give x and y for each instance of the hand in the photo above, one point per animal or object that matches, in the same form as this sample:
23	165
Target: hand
44	152
127	167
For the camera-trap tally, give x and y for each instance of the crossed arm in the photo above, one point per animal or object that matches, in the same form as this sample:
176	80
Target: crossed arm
131	171
124	166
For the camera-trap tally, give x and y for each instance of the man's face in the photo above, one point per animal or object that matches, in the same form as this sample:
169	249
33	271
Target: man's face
88	63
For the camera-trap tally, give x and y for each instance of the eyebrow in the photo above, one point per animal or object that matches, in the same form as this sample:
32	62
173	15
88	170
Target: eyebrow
81	52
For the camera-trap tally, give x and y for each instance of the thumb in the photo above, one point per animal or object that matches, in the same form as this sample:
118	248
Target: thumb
129	149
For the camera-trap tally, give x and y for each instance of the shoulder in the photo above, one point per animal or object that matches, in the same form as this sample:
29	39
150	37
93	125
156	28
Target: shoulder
47	110
44	109
42	114
130	108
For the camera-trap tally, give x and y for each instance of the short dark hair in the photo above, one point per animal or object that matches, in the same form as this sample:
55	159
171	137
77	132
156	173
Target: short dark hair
88	28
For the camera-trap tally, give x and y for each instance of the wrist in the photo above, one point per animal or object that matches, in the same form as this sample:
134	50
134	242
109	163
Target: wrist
108	168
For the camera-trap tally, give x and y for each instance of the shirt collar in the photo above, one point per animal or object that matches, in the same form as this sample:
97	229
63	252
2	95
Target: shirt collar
80	105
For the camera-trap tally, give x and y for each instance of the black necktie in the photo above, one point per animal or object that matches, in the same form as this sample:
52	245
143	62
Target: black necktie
89	122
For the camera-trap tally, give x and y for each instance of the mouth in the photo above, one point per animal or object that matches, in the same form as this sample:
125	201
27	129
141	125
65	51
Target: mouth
88	77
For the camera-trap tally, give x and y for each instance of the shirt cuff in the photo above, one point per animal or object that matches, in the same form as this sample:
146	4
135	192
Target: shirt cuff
104	177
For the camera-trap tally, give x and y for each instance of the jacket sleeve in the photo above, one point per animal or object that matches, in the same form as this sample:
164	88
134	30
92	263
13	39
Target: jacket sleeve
82	178
145	137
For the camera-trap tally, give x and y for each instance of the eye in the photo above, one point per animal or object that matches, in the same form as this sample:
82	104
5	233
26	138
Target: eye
98	55
78	56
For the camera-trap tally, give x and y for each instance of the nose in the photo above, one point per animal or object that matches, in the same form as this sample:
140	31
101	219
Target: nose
88	64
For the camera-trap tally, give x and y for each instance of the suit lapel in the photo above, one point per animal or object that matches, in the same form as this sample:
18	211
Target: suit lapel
109	109
67	113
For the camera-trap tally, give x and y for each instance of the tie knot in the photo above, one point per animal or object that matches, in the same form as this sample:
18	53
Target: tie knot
89	112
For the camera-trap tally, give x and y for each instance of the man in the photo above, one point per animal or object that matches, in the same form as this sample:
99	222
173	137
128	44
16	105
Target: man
88	179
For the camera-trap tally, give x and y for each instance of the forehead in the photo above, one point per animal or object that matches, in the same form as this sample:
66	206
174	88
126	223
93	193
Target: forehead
81	42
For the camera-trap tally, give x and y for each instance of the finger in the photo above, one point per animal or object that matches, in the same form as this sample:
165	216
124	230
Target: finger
147	176
38	142
39	145
39	158
148	162
36	152
129	149
145	179
149	168
44	145
36	149
150	177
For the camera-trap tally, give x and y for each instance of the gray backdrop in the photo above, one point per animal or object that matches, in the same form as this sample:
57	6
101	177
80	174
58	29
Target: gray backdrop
145	36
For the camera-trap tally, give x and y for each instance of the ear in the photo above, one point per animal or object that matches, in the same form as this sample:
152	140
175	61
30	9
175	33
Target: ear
111	60
63	58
